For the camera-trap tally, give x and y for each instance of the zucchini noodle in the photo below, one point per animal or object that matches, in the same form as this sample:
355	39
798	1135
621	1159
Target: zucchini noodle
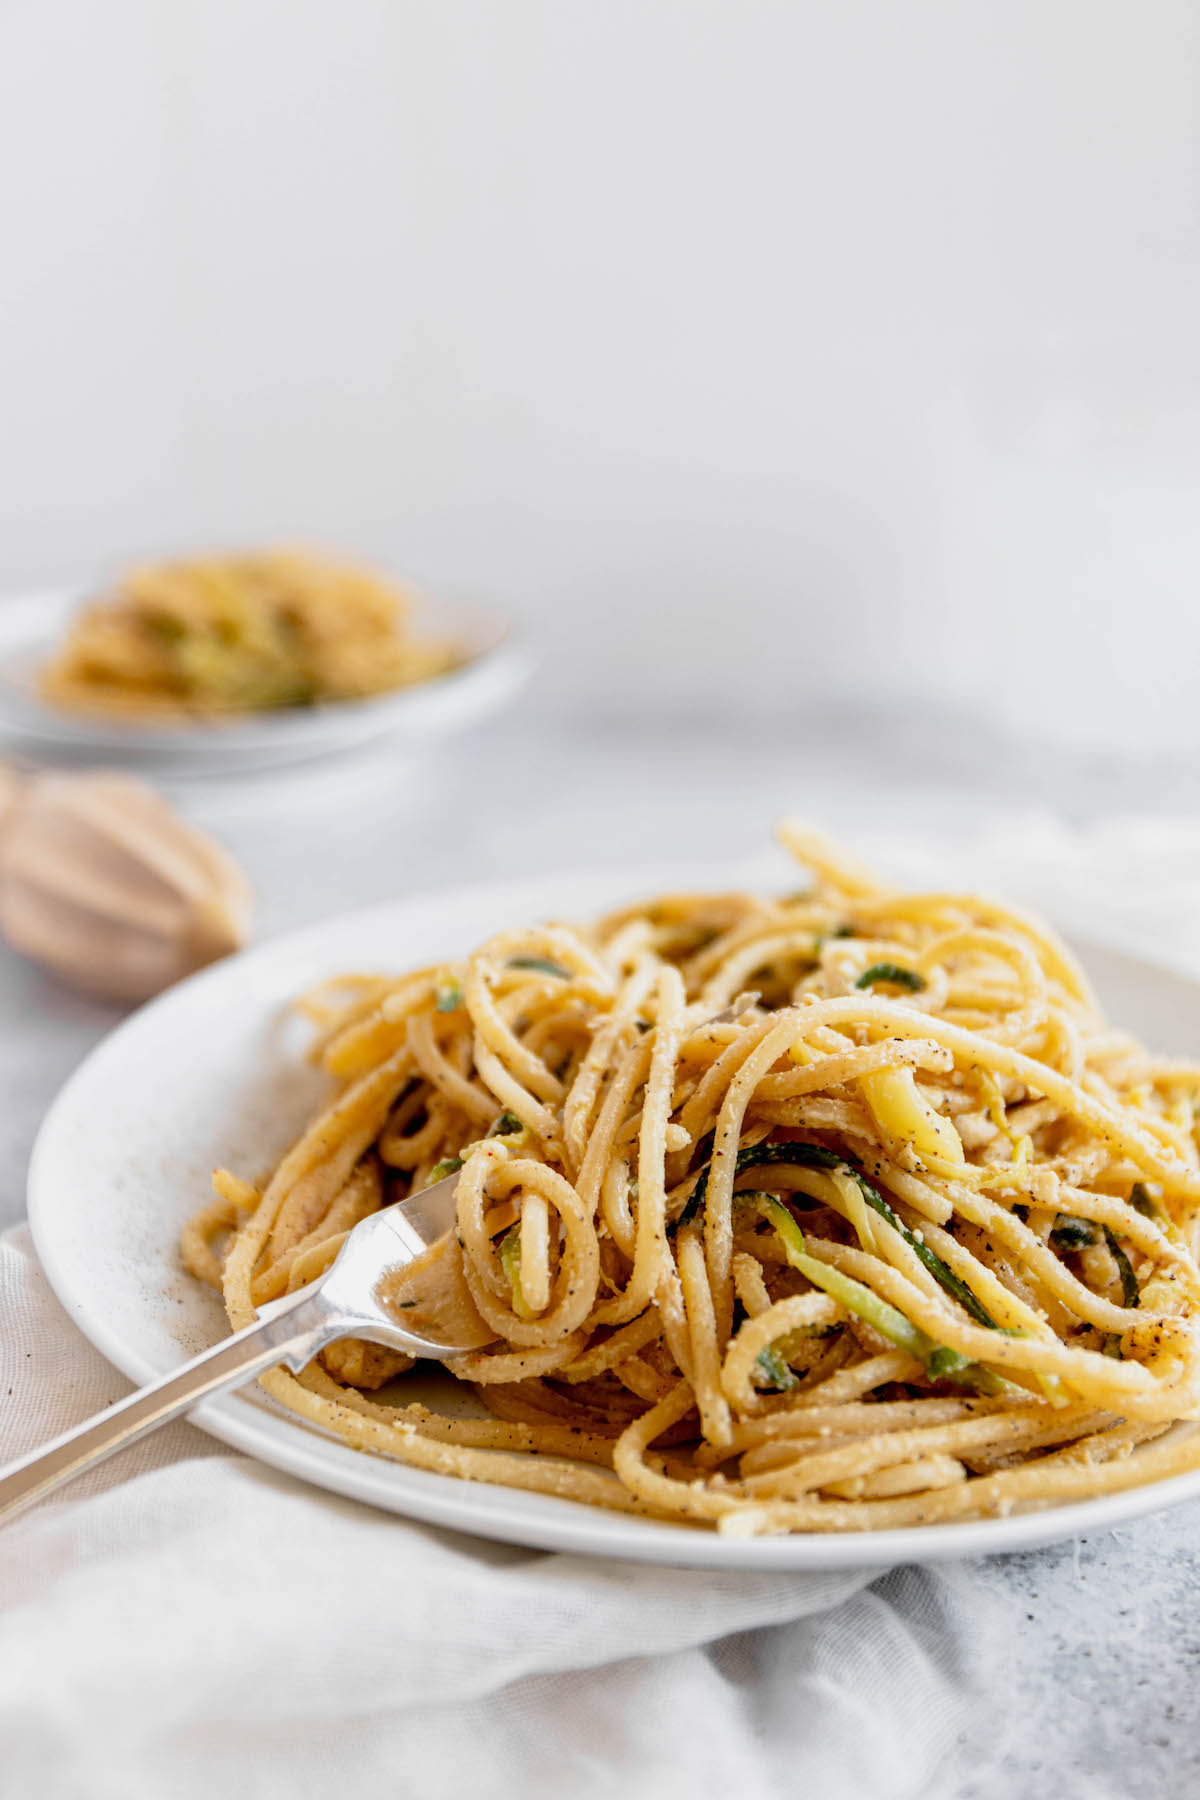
831	1212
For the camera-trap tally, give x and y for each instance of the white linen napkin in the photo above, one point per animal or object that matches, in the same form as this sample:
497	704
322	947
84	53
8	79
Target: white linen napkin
186	1623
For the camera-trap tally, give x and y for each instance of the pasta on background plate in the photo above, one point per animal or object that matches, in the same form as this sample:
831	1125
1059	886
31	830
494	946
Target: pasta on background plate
834	1211
203	638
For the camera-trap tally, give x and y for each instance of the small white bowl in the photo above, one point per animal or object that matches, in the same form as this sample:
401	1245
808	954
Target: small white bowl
31	625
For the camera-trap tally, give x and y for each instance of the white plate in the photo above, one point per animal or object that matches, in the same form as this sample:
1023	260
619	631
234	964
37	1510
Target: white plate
32	624
210	1073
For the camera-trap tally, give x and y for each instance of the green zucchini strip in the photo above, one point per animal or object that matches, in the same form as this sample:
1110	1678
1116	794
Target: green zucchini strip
1130	1290
816	1156
749	1158
774	1371
892	973
542	964
858	1299
510	1262
1139	1199
449	1165
1070	1233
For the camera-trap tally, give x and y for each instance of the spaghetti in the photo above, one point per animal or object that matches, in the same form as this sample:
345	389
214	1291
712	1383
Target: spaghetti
831	1212
247	633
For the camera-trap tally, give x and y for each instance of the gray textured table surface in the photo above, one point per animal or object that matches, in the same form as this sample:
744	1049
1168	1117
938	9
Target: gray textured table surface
1080	1660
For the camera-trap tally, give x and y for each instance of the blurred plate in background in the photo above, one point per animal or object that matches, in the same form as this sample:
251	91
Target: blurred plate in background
498	663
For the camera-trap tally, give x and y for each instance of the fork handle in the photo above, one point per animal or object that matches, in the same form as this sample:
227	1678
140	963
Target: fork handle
291	1330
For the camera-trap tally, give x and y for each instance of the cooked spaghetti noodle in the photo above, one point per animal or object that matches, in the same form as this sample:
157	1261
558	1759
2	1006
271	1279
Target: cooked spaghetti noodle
832	1212
249	633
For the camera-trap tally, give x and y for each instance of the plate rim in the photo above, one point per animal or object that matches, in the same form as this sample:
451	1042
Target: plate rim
517	1516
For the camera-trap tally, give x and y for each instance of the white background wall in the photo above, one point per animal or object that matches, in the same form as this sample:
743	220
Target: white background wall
867	331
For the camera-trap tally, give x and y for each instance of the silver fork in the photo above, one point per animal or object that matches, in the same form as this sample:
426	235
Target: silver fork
349	1300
